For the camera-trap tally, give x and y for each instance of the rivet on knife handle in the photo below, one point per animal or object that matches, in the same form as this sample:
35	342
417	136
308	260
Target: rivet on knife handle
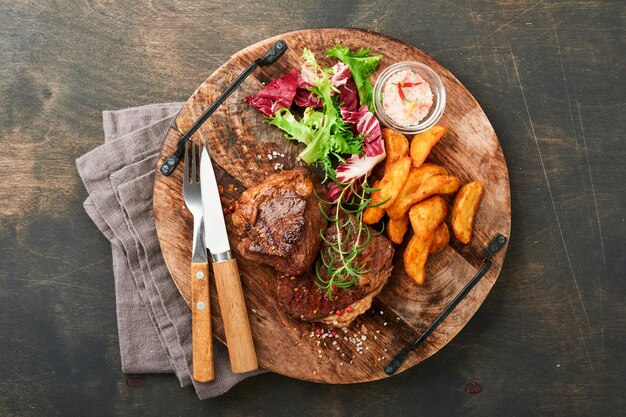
494	246
169	164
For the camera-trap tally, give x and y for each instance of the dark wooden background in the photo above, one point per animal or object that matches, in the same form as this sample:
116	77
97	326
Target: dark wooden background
550	338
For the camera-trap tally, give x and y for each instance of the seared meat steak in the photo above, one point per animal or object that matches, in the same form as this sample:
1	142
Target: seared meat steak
302	298
279	221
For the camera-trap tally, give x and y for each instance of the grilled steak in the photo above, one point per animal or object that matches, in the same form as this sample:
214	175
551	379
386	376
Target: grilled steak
279	221
302	298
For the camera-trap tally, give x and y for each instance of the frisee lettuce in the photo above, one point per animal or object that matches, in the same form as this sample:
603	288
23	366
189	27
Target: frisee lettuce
361	66
325	134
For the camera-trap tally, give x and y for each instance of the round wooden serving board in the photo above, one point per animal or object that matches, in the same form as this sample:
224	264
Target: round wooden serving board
240	143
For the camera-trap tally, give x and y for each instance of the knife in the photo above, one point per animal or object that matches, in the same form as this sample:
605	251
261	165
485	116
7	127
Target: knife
227	280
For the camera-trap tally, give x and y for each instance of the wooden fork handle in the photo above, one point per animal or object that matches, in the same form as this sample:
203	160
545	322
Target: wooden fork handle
235	317
201	337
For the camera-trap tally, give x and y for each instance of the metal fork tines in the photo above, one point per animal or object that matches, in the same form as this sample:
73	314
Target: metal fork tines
193	199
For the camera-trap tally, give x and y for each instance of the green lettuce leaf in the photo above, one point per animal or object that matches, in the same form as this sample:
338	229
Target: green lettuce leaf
361	67
325	133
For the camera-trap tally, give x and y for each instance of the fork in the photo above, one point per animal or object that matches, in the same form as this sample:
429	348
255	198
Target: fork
202	341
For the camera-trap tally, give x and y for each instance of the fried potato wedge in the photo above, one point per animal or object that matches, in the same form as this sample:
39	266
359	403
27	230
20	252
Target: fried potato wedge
372	215
437	184
397	228
415	256
441	238
391	184
427	215
417	176
464	210
423	143
396	147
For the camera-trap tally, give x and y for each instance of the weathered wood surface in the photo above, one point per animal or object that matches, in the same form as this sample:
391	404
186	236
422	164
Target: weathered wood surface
240	143
548	340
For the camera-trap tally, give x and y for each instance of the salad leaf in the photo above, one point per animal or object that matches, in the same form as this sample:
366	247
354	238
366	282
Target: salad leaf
310	70
304	96
294	130
325	133
361	66
276	95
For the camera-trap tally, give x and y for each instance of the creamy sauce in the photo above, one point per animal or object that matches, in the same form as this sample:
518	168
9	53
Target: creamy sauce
407	98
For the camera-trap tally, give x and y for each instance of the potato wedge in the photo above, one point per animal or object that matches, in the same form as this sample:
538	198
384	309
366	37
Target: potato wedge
423	143
415	256
427	215
464	210
372	215
397	228
441	238
437	184
396	147
417	176
391	184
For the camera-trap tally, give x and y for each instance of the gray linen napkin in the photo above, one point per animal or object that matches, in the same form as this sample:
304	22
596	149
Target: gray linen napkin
154	323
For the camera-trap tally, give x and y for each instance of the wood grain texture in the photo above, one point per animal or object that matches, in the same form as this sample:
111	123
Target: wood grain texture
232	305
240	143
549	340
201	335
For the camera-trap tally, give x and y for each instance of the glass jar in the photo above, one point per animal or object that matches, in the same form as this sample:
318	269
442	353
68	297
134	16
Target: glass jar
436	86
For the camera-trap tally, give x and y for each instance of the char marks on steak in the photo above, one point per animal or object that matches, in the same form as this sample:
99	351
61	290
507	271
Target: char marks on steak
300	297
278	222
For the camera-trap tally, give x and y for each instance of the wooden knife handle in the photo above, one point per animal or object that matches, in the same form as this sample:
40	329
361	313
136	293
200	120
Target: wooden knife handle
235	317
201	337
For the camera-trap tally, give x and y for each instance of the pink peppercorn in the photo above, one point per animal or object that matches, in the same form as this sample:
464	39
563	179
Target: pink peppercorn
349	309
333	333
339	312
318	331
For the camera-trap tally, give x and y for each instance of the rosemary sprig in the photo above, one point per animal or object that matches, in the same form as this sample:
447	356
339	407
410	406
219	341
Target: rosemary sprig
339	257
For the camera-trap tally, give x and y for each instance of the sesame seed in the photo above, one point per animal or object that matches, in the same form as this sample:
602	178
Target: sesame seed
254	310
363	337
385	323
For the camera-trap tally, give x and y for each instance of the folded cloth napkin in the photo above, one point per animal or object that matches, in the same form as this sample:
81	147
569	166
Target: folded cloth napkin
154	323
